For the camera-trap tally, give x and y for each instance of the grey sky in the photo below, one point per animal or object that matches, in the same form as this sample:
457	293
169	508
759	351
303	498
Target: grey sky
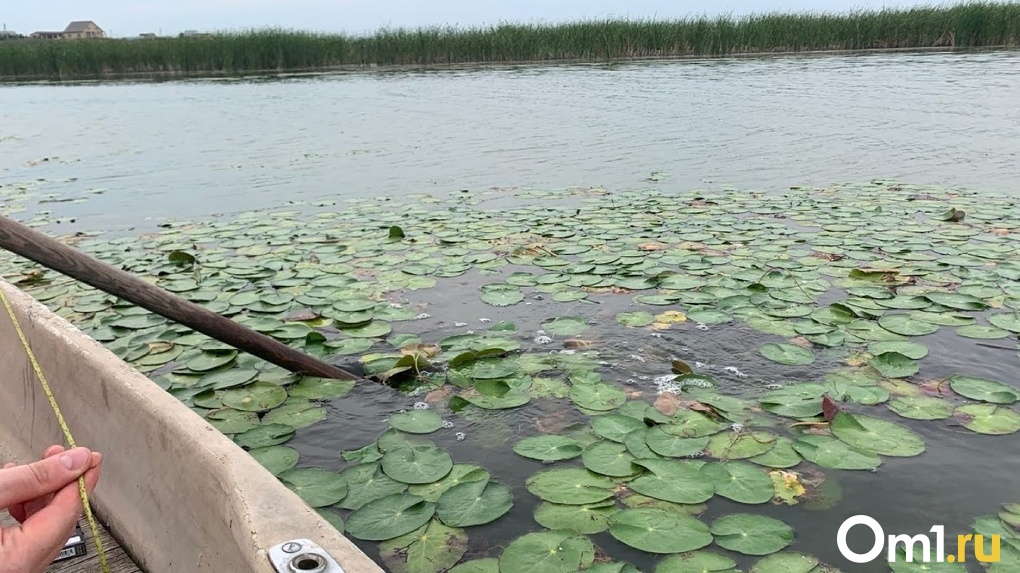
131	17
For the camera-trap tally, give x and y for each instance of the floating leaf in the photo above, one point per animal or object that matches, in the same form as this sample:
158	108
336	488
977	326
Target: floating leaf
666	443
678	482
988	418
547	552
876	435
276	459
549	448
256	397
580	519
787	354
487	565
461	473
389	517
751	534
657	530
921	407
1010	322
297	413
313	388
982	389
609	459
570	486
894	365
416	421
697	562
741	445
566	326
366	483
434	547
786	562
502	295
982	332
741	482
615	427
830	452
599	397
474	503
417	464
317	487
264	436
635	319
911	350
906	325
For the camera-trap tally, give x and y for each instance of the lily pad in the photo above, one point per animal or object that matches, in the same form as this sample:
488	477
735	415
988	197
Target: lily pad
502	295
635	319
256	397
600	397
655	530
876	435
830	452
697	562
389	517
549	448
296	413
615	427
609	459
982	332
570	486
548	552
751	534
911	350
787	354
474	503
786	562
416	421
921	407
565	326
317	487
461	473
580	519
988	419
264	436
417	464
675	481
366	483
665	443
434	547
982	389
740	482
276	459
741	445
906	325
313	388
894	365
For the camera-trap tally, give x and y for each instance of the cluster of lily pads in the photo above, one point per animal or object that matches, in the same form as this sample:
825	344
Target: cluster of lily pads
838	293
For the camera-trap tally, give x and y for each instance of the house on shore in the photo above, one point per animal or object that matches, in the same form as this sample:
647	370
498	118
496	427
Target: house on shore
9	35
77	30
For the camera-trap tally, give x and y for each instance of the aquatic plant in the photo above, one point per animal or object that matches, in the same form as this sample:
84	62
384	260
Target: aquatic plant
975	24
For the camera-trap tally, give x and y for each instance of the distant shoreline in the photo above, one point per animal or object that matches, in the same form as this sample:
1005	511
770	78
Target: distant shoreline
280	53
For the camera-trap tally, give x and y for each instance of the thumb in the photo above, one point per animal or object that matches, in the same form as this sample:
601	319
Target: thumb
27	482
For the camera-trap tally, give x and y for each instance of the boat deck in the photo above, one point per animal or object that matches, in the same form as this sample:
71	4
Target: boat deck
118	560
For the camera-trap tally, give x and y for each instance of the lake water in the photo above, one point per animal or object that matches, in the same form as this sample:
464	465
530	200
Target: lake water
942	118
143	153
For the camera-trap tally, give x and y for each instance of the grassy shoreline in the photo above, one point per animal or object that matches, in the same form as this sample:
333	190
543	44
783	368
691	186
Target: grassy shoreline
970	25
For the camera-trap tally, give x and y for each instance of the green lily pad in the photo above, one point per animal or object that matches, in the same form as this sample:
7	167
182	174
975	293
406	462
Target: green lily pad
299	413
565	326
276	459
490	368
416	421
615	427
232	378
956	300
502	294
911	350
635	319
740	445
982	389
675	481
580	519
781	456
906	325
1010	322
317	487
876	435
211	361
787	354
255	397
666	443
600	397
366	483
982	332
921	407
549	448
697	562
474	503
417	464
830	452
389	517
988	418
230	421
751	534
740	482
461	473
313	388
609	459
655	530
486	565
434	547
570	486
786	562
894	365
548	552
264	436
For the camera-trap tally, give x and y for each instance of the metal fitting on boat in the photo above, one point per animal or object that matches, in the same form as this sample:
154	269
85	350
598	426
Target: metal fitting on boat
302	556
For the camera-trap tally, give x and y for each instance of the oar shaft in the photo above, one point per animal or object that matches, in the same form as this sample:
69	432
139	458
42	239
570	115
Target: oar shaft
53	254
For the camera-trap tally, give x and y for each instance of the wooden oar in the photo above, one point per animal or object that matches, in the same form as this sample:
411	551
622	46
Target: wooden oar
48	252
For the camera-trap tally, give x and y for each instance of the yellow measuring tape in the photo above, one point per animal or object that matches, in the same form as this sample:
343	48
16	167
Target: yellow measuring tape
63	426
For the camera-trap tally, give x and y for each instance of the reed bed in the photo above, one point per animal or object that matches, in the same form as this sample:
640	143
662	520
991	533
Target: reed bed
975	24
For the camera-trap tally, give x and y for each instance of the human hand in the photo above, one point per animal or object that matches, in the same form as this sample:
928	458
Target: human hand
43	496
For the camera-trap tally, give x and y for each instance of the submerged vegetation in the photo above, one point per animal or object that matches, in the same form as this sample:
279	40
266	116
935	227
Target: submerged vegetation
271	51
832	295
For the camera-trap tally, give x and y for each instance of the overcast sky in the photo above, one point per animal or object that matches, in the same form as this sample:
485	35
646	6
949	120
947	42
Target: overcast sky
131	17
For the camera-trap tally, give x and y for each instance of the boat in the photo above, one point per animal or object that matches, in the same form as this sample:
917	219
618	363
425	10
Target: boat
175	493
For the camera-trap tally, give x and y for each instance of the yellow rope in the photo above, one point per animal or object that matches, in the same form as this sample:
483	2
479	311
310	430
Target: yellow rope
63	426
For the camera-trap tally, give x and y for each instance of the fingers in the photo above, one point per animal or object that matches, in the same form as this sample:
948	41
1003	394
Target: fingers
43	535
28	482
27	509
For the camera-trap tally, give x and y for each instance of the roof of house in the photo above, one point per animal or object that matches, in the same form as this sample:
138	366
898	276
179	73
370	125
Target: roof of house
79	26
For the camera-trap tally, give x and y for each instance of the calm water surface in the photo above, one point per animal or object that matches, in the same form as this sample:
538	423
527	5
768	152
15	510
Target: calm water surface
205	148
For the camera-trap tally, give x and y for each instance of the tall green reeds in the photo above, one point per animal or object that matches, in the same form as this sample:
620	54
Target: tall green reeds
963	25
